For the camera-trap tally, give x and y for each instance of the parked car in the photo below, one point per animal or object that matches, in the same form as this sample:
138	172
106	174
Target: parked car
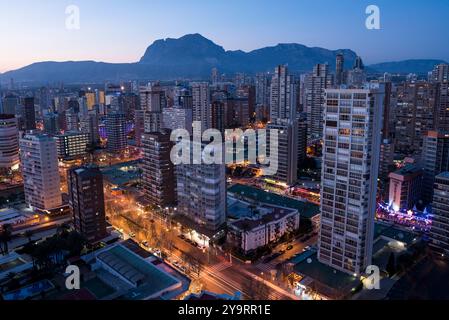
290	247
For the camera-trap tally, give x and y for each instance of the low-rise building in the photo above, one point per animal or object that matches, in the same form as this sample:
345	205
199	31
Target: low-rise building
267	225
72	145
405	187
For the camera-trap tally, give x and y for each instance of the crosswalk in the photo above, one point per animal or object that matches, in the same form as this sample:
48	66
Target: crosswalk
220	267
266	267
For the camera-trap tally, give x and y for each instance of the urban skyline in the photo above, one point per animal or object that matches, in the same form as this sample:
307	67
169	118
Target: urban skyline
200	174
144	23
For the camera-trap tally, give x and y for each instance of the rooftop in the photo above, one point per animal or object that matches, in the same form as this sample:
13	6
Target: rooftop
148	280
394	233
305	209
409	169
443	175
310	266
272	213
123	173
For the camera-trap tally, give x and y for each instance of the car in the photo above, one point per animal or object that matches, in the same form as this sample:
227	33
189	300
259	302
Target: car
290	247
182	236
281	252
144	243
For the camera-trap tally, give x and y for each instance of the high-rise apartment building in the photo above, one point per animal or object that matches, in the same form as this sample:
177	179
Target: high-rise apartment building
177	118
352	137
116	132
201	193
39	163
339	69
315	84
442	112
201	110
357	76
282	95
29	114
51	124
89	124
287	153
439	232
434	160
72	145
10	102
302	140
139	126
9	142
440	73
415	115
158	170
262	90
86	199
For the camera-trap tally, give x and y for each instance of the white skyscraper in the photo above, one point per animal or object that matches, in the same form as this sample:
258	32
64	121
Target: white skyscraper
262	89
9	142
177	118
352	138
89	124
282	95
315	84
152	98
39	162
201	192
201	110
71	119
152	101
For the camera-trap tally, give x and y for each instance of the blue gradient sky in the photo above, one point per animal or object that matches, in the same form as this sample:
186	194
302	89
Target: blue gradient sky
120	31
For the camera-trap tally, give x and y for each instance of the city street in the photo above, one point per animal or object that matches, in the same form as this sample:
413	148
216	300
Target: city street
218	273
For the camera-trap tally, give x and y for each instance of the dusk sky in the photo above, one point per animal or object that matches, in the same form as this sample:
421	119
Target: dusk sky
119	31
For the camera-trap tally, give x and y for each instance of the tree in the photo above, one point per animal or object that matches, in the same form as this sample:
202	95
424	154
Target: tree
391	265
29	234
5	237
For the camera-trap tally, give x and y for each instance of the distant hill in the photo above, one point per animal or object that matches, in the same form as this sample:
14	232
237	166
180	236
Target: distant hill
418	66
193	56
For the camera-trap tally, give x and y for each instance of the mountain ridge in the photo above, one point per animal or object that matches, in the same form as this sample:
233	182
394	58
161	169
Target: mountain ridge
192	56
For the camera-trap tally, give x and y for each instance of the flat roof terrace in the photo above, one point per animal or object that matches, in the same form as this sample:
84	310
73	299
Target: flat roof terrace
149	281
305	209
